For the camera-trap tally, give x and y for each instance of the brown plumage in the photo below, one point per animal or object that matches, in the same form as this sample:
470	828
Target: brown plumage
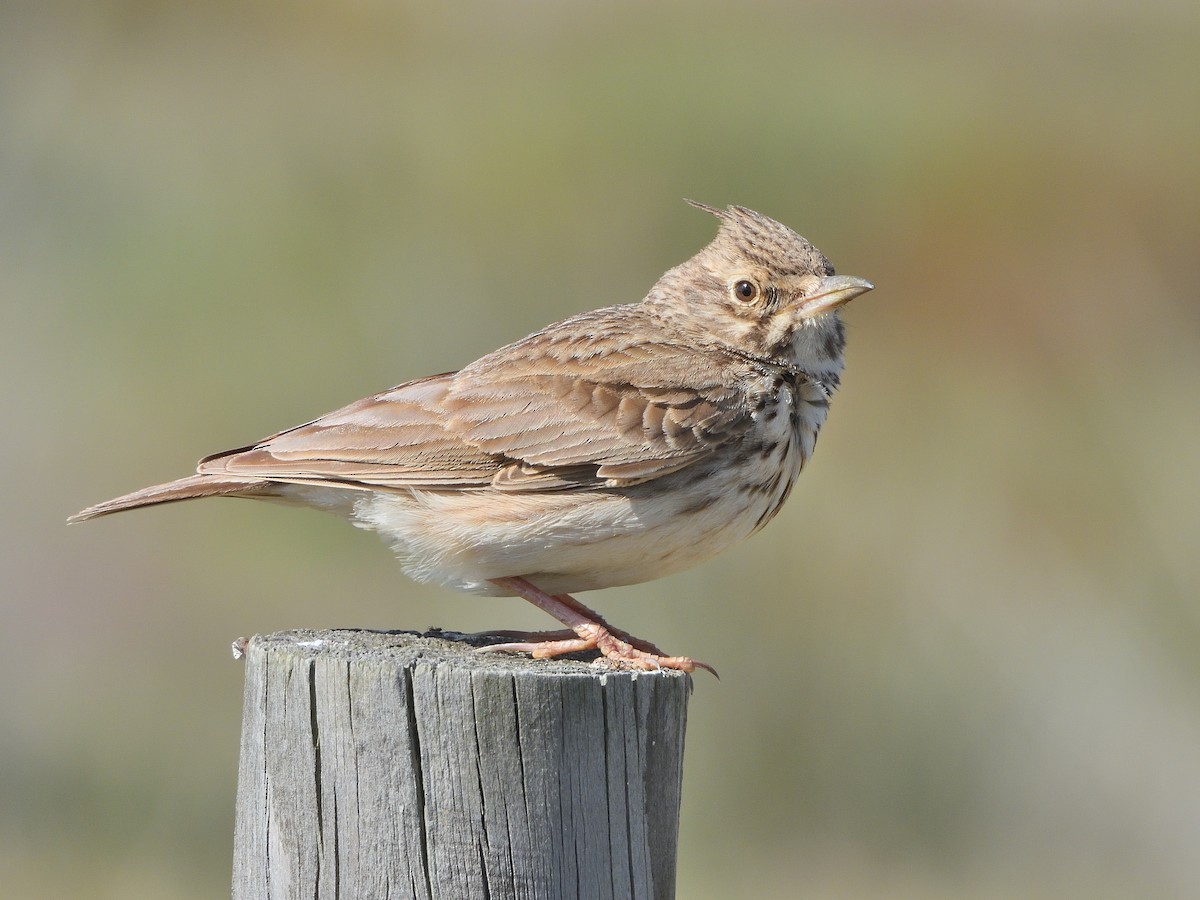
613	447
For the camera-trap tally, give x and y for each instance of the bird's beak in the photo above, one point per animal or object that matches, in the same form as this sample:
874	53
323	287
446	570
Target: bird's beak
834	291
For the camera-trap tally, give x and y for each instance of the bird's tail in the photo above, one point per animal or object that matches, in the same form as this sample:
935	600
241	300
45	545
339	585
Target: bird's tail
172	491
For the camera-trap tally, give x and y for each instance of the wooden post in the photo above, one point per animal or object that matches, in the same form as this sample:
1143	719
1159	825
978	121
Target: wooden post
392	765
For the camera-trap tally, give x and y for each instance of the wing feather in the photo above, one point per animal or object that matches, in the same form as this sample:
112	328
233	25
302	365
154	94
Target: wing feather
583	403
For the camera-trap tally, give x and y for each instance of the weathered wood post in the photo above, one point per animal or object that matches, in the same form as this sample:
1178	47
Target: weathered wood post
393	765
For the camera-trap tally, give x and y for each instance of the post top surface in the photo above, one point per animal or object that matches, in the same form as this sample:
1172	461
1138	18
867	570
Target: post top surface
403	649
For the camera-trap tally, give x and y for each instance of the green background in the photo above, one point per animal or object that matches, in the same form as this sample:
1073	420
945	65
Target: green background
963	662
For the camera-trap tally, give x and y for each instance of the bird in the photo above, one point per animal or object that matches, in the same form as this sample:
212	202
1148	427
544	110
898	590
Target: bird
611	448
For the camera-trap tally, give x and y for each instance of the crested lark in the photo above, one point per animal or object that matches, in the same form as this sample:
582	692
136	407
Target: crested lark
611	448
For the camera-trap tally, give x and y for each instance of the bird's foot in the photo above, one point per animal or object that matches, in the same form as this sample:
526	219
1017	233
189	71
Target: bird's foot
614	650
590	631
564	635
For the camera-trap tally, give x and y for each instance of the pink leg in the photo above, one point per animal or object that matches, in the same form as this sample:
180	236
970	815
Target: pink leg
546	637
593	633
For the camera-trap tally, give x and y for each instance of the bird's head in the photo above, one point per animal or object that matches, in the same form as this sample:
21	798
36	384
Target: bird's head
762	289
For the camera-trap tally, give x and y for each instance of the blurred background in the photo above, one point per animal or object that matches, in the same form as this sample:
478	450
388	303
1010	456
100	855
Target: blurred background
963	662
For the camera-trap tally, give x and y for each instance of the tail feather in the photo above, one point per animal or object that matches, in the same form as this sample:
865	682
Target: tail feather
172	491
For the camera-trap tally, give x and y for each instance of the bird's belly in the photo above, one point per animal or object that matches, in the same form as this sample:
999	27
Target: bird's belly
580	540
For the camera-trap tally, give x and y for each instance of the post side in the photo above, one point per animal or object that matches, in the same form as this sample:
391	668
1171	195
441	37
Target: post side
378	764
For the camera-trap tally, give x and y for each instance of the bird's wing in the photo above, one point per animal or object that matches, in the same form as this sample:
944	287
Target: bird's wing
396	438
577	405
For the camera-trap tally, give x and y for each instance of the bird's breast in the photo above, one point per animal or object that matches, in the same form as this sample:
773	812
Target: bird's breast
787	420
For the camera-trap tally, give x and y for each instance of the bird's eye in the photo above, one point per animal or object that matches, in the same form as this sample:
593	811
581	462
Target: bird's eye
746	291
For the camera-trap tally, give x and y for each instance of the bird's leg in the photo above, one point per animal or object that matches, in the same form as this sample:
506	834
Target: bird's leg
544	637
593	633
588	612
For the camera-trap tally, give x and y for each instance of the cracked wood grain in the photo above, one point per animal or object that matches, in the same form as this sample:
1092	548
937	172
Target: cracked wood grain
381	765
